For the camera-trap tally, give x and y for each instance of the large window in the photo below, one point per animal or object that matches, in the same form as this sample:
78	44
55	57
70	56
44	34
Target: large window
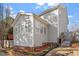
41	29
27	16
44	30
28	26
16	30
37	26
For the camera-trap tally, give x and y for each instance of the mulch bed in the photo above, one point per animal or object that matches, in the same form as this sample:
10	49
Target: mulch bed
22	51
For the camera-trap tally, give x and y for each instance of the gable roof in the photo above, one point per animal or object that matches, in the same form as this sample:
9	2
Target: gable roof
18	16
51	9
37	16
40	19
24	14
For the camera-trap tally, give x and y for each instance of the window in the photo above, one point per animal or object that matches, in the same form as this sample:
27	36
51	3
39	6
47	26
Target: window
29	22
22	28
53	17
16	30
27	17
28	26
36	25
28	36
44	30
16	36
29	30
41	30
23	23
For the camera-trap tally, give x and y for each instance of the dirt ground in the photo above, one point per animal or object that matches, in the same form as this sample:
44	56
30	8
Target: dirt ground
67	51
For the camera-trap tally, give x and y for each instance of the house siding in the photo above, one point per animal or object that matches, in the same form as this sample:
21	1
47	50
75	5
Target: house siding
58	23
63	20
39	36
21	36
53	25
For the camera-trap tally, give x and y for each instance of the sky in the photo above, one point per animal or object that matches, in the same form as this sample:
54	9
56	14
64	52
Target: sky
37	8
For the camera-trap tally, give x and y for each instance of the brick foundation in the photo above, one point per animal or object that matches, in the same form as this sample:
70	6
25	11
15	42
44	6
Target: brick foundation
41	48
34	49
23	48
31	49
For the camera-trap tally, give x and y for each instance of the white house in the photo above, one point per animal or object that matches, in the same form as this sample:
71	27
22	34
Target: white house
32	30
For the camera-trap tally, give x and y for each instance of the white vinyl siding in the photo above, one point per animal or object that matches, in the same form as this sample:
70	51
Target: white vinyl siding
24	32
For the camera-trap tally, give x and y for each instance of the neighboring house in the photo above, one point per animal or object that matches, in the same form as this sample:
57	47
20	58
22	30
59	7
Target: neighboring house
32	30
5	26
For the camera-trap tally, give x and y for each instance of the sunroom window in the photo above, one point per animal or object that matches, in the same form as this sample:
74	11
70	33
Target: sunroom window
27	17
